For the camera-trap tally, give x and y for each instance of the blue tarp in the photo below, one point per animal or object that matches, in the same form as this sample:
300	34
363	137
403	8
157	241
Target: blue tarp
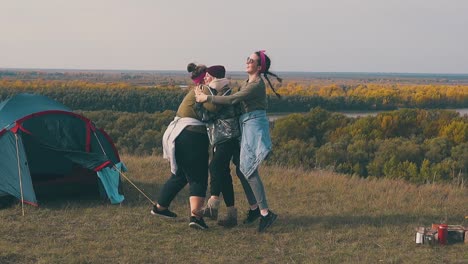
110	178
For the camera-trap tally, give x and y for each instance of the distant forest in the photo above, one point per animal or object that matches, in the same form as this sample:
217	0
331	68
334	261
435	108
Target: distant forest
420	146
125	97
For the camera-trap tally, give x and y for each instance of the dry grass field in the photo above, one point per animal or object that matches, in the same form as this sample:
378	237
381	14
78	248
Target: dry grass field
323	218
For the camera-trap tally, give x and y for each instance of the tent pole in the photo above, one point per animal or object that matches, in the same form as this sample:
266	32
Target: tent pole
102	148
19	174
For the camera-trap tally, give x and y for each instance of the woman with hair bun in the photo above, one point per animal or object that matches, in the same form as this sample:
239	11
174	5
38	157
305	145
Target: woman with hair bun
255	141
185	145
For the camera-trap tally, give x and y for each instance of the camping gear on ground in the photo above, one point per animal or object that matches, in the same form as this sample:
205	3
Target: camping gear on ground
442	234
43	143
430	238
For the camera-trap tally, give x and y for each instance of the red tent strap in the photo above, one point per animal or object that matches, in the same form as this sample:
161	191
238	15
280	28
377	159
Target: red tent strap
30	203
20	127
102	166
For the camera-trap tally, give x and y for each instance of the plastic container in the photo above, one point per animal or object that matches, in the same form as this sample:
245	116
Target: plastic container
420	235
442	234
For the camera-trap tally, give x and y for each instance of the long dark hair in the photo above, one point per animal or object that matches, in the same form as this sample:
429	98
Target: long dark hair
267	72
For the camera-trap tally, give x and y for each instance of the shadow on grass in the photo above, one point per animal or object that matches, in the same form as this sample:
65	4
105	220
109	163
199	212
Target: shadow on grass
135	198
334	221
59	199
7	258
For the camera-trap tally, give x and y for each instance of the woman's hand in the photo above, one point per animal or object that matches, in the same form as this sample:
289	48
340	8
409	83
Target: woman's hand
199	95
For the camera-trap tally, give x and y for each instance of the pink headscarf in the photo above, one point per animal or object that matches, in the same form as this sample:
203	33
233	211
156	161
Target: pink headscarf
199	79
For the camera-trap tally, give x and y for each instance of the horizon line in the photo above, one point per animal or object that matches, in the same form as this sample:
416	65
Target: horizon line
236	72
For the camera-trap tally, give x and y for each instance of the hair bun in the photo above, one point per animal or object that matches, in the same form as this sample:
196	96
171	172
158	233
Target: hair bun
191	67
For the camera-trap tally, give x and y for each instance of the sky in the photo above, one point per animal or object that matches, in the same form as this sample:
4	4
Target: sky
408	36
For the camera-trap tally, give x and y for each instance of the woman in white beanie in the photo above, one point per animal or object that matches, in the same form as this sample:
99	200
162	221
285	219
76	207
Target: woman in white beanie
224	134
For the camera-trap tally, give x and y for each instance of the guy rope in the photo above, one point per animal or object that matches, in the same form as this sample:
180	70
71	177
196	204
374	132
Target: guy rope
120	172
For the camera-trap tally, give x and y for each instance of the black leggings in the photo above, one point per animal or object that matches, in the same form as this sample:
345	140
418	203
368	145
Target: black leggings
220	172
221	180
191	150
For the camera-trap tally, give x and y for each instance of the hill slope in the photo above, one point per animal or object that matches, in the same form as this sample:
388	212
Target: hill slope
323	218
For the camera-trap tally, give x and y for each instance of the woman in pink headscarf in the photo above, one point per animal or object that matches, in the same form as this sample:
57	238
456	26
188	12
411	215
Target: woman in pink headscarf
185	145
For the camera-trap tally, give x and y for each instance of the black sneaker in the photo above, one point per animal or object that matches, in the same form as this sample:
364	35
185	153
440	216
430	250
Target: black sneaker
252	215
164	213
266	221
197	223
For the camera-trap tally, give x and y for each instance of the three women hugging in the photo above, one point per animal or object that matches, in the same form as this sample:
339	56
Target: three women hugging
237	128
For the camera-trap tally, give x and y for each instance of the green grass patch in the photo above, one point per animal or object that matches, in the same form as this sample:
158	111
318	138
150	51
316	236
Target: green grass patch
323	218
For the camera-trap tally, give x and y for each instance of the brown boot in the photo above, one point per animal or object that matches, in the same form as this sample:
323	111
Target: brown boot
210	210
231	218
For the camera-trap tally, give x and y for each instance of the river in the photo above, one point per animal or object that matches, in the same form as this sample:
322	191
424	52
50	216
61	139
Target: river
354	114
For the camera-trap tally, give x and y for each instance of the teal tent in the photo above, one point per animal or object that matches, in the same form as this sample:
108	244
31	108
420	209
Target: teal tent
43	143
